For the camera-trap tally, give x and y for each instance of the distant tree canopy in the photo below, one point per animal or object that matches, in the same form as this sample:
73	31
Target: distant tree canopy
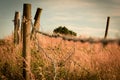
64	30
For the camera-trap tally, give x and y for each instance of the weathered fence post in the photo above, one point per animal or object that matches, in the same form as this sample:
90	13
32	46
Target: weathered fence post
21	32
16	27
36	23
107	26
26	40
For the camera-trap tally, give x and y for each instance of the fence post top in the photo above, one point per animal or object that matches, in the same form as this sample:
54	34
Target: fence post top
26	4
108	17
38	12
39	9
17	15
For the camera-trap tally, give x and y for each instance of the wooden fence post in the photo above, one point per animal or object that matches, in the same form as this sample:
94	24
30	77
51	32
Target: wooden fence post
21	32
36	23
107	26
26	40
16	27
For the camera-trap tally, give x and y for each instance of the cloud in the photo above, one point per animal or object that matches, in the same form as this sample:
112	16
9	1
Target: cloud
61	5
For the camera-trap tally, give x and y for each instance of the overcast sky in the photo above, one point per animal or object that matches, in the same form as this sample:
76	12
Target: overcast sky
86	17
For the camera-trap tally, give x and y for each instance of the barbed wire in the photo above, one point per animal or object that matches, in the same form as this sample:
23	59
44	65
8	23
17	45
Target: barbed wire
53	60
67	57
89	40
40	48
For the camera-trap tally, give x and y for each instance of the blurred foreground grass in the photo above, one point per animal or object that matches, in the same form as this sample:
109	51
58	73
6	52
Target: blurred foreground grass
87	62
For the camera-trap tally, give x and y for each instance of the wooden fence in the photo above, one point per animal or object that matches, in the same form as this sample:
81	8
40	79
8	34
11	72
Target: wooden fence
27	35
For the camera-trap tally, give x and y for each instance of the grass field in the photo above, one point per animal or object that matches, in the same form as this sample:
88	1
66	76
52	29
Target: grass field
58	59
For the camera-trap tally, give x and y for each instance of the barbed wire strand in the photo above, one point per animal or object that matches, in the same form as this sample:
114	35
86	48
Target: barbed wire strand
40	48
53	61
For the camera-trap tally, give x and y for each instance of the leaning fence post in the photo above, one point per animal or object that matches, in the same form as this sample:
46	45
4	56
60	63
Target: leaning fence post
16	27
107	26
26	40
36	23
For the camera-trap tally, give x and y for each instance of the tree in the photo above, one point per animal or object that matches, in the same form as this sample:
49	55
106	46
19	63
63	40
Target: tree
64	30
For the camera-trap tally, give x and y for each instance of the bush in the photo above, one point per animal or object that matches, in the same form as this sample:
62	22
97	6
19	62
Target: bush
64	30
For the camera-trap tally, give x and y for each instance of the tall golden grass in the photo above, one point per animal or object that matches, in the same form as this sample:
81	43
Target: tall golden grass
59	59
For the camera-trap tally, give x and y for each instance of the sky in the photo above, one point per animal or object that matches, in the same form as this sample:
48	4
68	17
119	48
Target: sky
85	17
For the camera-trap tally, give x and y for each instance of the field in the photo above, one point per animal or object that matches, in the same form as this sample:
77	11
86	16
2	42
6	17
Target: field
53	58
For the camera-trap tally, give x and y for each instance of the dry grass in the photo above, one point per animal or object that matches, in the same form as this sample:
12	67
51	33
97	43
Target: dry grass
10	60
65	60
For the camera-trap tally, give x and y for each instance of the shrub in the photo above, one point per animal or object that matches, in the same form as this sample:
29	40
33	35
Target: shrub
64	30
